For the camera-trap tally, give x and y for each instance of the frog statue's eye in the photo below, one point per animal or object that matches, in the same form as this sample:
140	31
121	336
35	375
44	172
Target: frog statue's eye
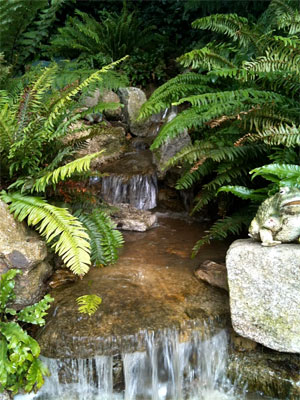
283	190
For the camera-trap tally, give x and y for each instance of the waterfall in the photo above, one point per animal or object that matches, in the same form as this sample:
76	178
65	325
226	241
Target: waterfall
139	190
166	370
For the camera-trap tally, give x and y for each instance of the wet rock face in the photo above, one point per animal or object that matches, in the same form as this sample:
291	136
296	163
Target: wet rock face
151	287
269	372
22	248
264	285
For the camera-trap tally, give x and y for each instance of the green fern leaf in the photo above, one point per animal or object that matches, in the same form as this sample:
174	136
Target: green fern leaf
279	172
67	235
88	304
61	173
232	225
245	193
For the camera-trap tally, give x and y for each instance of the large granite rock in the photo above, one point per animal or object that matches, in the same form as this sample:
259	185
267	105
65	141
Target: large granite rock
22	248
133	98
264	285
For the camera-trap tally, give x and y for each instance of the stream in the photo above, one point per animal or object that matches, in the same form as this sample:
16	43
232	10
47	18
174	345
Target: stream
158	334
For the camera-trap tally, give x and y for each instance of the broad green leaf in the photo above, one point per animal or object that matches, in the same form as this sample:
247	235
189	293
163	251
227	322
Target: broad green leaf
34	314
7	284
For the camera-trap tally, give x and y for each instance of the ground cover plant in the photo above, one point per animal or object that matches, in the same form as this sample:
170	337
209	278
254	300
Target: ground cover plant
240	102
20	367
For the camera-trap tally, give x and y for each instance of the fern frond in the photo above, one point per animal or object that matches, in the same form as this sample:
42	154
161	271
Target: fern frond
67	235
286	15
283	134
206	58
171	91
61	173
289	174
62	103
104	238
192	176
231	25
222	228
88	304
245	193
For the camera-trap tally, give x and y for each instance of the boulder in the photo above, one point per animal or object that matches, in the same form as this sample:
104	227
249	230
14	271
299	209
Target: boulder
22	248
92	100
111	97
129	218
133	98
264	287
213	273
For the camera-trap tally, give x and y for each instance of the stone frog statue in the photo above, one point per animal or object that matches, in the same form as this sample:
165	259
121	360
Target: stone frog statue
278	218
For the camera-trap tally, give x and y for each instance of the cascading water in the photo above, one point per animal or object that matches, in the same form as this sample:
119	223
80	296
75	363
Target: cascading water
166	370
139	190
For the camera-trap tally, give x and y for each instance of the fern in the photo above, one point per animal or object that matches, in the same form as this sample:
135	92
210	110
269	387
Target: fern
35	314
113	36
88	304
105	238
232	225
66	234
61	173
245	193
287	174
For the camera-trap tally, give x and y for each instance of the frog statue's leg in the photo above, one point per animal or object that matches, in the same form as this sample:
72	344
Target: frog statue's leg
266	237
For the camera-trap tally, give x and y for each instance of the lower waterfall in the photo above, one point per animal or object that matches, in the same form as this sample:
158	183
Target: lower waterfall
166	370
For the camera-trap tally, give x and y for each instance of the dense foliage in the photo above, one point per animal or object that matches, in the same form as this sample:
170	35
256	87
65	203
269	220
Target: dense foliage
20	367
239	101
35	121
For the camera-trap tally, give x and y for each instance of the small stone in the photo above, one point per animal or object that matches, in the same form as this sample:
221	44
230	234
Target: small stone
213	273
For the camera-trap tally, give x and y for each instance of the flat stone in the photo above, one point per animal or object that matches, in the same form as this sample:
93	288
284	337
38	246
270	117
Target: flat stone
128	218
213	273
264	287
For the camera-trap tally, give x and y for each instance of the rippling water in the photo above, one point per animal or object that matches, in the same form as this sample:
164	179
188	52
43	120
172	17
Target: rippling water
167	370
